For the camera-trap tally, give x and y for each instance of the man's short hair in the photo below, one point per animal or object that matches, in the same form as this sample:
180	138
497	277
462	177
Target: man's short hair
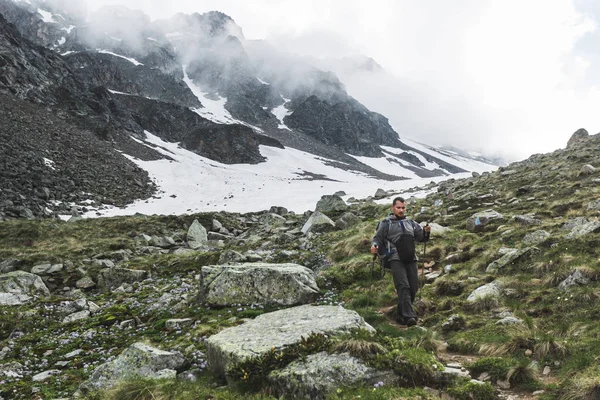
400	199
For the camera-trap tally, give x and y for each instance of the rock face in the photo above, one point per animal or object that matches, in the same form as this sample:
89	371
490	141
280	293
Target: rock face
322	373
257	283
138	360
277	329
21	284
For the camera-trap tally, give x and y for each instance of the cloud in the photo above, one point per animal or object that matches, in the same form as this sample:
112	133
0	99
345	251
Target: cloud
501	77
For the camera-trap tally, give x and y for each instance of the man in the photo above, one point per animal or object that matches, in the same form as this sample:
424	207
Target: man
405	273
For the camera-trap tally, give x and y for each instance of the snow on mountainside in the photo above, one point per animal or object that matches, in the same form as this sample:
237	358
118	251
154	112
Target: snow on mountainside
189	183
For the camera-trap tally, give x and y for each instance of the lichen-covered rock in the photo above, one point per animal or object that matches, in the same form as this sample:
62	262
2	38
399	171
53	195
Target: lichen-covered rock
278	329
322	373
492	289
112	278
23	283
318	222
257	283
584	229
511	256
138	360
331	203
576	278
479	222
537	237
196	235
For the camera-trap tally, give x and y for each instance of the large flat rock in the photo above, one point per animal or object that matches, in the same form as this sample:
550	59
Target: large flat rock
258	283
278	329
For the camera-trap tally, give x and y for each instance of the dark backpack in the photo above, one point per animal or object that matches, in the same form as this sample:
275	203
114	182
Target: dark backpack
405	245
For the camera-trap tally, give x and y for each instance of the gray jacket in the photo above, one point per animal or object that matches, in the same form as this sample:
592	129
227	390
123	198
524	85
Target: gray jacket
385	244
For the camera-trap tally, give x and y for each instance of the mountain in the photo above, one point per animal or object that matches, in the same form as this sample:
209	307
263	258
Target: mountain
193	80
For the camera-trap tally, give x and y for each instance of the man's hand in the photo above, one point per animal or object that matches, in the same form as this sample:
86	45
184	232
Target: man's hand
373	249
427	229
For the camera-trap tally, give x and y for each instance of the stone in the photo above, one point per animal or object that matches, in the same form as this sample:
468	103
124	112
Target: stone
216	225
454	323
178	323
13	299
331	203
380	194
481	221
196	235
509	321
492	289
579	136
321	374
9	265
537	237
257	283
587	170
78	316
584	229
85	283
112	278
346	221
164	242
42	376
512	256
138	360
576	278
278	330
318	222
21	282
527	220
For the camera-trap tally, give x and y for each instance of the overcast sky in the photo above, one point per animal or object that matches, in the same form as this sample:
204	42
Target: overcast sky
499	76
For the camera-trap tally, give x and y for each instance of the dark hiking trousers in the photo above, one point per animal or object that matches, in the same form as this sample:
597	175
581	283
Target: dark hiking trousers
406	281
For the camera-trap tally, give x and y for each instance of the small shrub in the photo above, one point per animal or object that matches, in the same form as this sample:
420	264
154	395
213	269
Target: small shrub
496	367
360	348
583	386
466	390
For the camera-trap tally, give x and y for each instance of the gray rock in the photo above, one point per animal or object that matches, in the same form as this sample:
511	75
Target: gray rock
278	329
178	323
103	263
278	210
492	289
587	170
576	278
138	360
9	265
347	220
85	283
510	257
271	221
320	374
21	282
318	222
216	225
573	222
527	220
46	269
331	203
13	299
582	230
509	321
257	283
454	323
231	256
164	242
78	316
114	277
479	221
537	237
218	236
196	235
42	376
380	194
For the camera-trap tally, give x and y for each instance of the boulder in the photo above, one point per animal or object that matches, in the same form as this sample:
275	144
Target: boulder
380	194
527	220
138	360
257	283
537	237
23	283
9	265
46	269
164	242
321	374
196	235
479	222
492	289
318	222
584	229
579	136
331	203
576	278
278	329
347	220
111	278
510	257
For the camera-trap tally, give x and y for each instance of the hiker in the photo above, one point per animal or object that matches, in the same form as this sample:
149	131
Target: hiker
398	231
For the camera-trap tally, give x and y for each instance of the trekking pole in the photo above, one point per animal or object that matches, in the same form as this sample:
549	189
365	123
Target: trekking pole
371	280
423	268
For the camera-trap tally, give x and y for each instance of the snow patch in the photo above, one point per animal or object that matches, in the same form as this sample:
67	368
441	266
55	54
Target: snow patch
152	39
213	110
69	29
49	163
66	53
281	112
192	183
131	60
116	38
263	82
46	16
61	41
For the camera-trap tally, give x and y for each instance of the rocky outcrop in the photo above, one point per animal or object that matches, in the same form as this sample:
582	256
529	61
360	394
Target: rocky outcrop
318	222
138	360
257	283
20	286
484	220
320	374
277	330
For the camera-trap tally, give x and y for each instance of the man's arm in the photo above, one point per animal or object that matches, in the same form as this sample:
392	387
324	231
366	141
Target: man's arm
378	239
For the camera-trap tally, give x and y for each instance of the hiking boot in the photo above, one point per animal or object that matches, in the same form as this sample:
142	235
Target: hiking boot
411	322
